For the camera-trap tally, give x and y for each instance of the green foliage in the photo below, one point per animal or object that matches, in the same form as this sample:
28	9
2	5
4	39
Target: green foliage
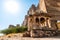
14	30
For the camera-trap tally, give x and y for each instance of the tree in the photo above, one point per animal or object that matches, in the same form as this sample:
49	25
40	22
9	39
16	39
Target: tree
14	30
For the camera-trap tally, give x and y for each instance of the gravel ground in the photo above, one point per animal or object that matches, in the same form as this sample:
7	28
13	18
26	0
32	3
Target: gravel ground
26	38
19	37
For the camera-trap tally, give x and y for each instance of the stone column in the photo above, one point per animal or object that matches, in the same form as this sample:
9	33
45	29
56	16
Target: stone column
41	23
31	33
49	23
45	22
34	22
28	24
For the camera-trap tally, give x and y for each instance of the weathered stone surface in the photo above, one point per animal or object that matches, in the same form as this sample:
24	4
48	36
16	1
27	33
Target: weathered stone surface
26	34
53	3
42	6
25	21
53	6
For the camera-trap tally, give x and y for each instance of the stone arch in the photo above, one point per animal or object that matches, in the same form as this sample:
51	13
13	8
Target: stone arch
37	20
42	20
31	20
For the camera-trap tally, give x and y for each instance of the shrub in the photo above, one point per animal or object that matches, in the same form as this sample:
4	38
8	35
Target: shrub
14	30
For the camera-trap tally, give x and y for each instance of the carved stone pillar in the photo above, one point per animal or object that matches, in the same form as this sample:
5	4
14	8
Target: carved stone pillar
31	33
49	23
28	24
45	22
